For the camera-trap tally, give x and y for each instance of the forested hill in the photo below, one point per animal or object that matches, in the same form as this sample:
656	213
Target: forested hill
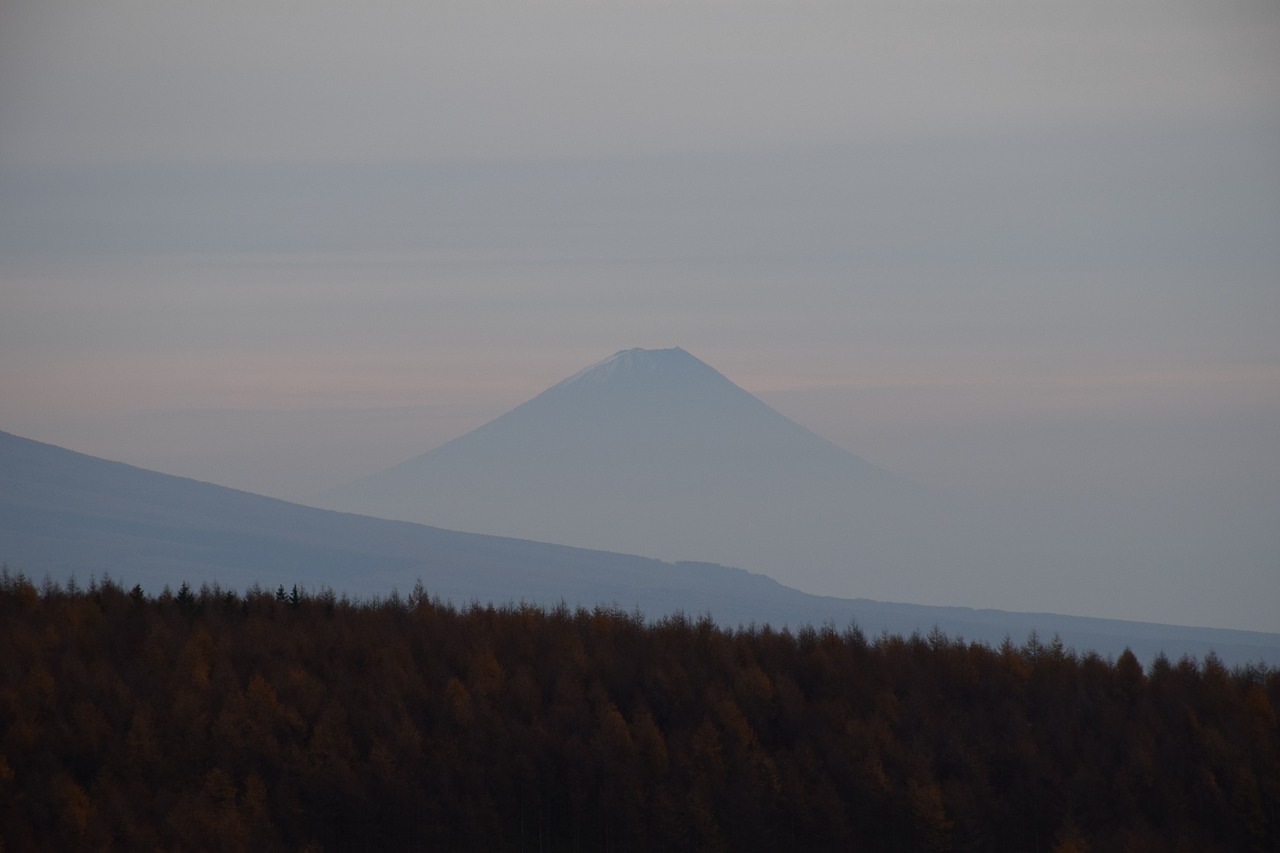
281	721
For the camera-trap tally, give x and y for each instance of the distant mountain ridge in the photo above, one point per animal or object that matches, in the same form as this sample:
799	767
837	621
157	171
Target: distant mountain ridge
64	513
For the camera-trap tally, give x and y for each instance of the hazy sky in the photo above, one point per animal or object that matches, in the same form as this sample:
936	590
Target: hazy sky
1025	248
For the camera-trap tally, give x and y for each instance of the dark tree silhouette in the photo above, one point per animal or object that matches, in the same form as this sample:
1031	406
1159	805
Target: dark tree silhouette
271	720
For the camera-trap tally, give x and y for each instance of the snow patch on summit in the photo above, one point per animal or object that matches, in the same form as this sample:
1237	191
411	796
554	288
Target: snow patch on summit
642	365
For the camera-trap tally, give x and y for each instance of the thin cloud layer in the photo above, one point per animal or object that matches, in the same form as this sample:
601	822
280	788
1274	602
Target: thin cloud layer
1027	250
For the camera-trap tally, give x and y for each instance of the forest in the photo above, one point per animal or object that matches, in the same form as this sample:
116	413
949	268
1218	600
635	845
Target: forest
211	719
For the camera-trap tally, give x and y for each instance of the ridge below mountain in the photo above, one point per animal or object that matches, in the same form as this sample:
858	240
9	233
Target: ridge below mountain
63	513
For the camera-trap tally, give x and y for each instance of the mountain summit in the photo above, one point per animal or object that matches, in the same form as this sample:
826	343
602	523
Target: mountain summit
654	452
646	368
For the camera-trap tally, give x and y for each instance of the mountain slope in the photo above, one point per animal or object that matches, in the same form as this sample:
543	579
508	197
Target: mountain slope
63	512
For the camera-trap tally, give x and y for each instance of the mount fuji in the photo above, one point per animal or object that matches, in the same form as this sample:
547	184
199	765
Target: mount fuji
654	452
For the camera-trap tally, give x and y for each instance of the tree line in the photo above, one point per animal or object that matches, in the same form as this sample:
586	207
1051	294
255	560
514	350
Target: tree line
282	719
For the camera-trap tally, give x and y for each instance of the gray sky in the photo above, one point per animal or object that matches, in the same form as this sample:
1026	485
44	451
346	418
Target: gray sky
1009	248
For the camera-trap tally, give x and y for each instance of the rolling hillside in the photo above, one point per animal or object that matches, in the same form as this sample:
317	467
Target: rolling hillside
64	513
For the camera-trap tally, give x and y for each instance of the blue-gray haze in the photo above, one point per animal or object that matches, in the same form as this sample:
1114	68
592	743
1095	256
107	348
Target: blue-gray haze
1024	253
